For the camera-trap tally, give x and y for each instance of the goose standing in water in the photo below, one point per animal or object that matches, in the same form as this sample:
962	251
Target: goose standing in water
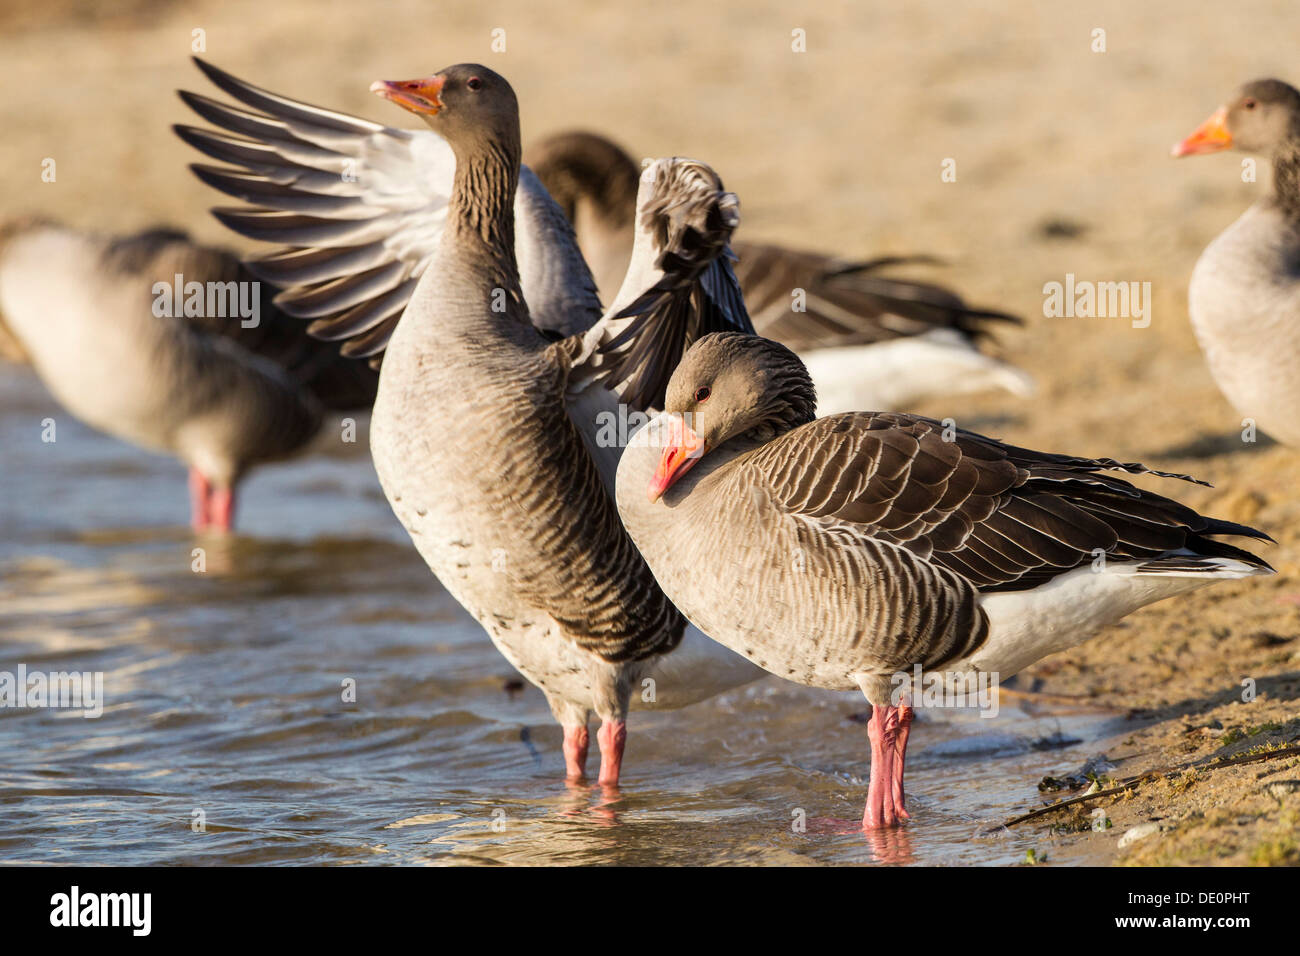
221	395
1244	297
869	341
495	384
842	551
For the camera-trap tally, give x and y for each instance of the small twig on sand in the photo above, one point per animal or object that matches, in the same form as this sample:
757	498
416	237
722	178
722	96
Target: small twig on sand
1131	783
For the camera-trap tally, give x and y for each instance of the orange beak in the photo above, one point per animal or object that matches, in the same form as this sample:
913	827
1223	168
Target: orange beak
418	96
683	450
1210	137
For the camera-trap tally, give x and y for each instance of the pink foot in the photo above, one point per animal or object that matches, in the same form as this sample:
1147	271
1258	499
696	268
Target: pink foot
611	737
221	509
576	741
888	733
200	492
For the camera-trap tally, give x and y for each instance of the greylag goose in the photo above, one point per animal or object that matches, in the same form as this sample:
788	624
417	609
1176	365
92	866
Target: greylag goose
1244	297
130	352
869	341
497	382
843	551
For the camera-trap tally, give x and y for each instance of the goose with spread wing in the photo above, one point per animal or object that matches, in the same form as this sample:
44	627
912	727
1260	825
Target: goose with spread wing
845	551
501	391
173	346
869	340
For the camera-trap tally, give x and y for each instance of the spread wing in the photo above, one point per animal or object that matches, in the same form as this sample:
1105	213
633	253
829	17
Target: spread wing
680	284
358	210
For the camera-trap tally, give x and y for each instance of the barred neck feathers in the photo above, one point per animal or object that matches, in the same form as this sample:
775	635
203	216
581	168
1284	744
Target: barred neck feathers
1286	181
482	199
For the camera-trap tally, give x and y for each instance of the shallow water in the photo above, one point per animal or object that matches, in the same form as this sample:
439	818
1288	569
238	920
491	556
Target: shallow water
224	695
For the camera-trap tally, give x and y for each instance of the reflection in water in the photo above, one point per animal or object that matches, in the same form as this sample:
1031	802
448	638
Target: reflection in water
228	735
892	847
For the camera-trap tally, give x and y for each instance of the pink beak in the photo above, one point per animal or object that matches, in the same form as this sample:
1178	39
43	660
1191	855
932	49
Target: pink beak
1210	137
421	96
683	450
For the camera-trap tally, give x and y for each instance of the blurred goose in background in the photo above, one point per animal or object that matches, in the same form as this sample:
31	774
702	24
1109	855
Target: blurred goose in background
492	430
840	552
1244	297
115	350
868	340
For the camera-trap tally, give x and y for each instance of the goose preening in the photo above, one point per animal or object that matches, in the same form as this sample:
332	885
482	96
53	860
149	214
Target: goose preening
486	430
869	340
842	551
114	329
1244	297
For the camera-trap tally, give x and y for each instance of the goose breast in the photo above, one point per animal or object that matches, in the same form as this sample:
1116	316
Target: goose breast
1244	303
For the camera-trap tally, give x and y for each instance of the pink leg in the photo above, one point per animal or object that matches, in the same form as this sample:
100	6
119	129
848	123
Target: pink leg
880	802
576	741
611	737
905	715
200	492
221	508
885	792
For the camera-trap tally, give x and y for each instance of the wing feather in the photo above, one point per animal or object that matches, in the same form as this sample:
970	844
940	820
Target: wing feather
1000	516
359	209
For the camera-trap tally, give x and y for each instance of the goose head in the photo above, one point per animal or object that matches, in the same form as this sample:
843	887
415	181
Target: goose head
1262	117
730	385
464	103
578	167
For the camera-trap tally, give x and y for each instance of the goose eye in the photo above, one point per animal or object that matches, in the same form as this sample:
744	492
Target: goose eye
474	83
702	393
1249	104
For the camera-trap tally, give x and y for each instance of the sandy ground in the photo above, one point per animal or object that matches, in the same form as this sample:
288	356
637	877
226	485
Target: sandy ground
1062	167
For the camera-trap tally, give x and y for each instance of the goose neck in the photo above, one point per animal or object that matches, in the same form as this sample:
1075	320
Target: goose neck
1286	181
482	211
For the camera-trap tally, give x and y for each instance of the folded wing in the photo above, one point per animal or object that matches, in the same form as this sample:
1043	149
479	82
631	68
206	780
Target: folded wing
1002	517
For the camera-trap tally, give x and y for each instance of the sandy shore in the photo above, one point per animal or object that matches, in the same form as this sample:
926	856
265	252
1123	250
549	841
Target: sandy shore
1062	168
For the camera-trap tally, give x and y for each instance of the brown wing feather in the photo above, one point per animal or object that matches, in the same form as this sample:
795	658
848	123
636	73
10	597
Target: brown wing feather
847	303
1003	517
